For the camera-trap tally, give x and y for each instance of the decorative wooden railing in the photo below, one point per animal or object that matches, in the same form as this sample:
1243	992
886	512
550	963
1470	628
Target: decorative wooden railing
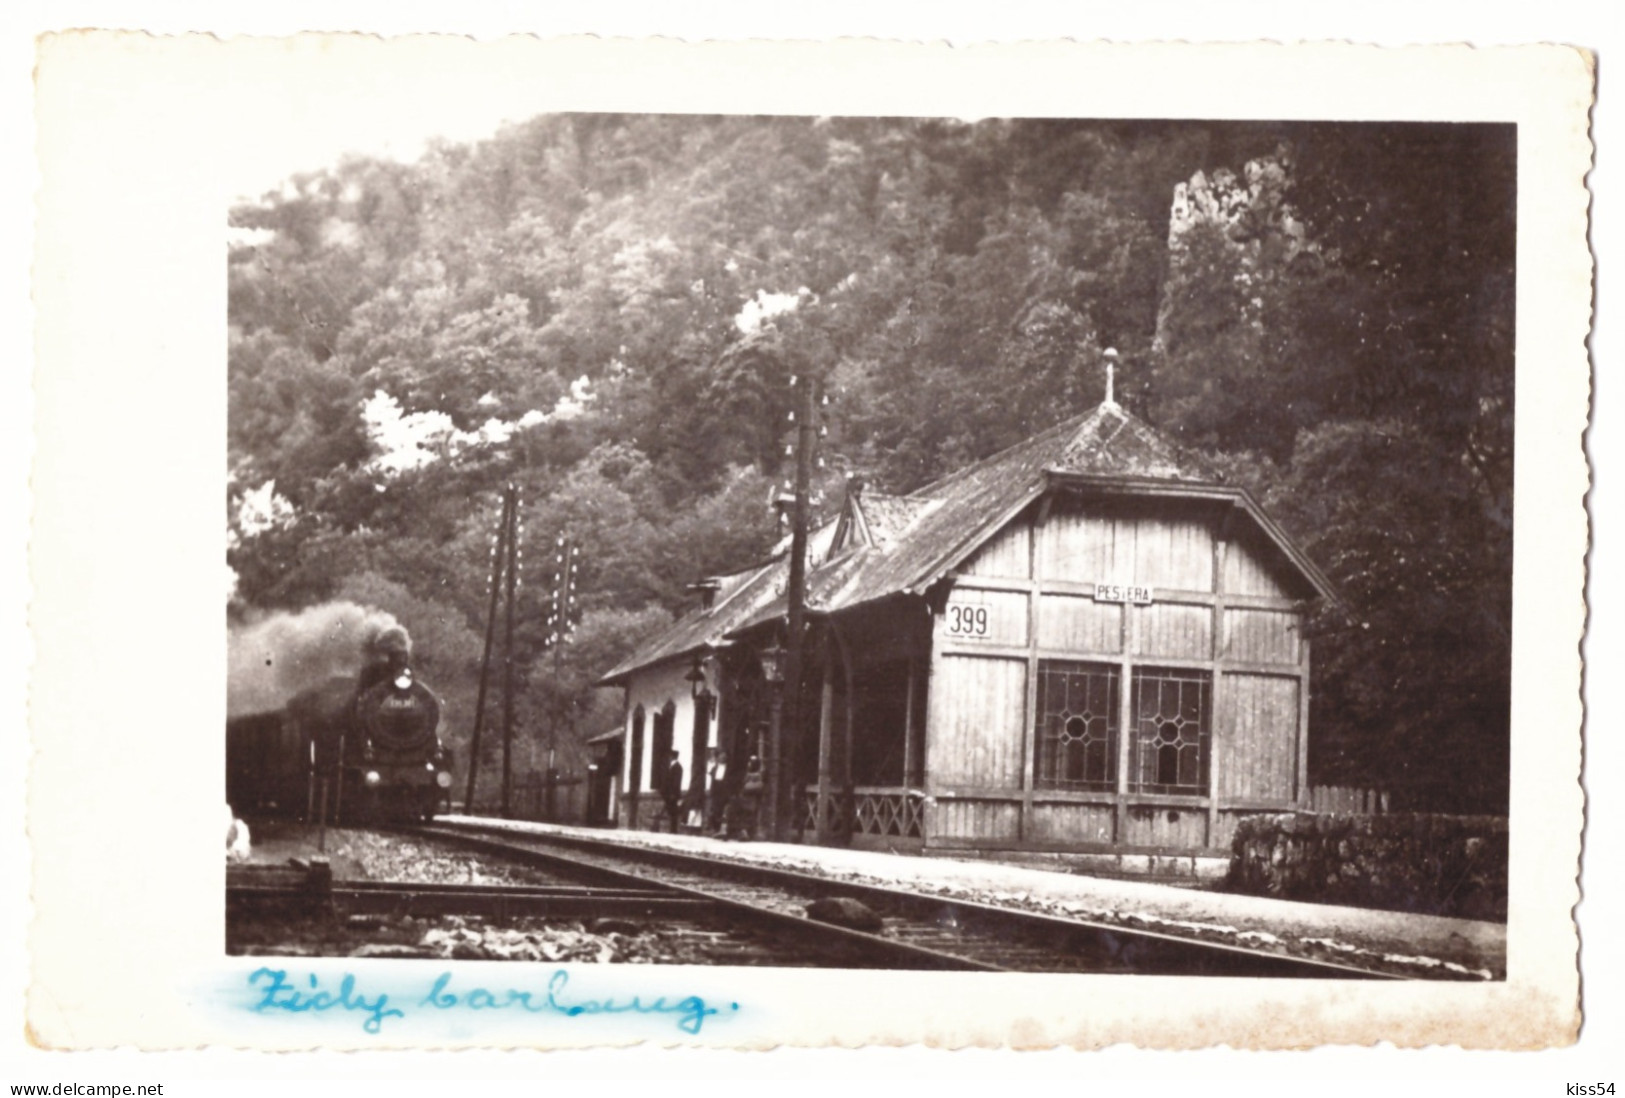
877	810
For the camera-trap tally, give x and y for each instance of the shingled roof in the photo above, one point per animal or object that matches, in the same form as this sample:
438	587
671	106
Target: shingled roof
883	545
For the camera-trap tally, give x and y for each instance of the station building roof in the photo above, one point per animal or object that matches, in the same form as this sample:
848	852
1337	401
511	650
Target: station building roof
883	545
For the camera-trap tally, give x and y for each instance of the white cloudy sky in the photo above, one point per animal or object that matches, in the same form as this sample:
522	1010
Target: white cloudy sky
357	128
393	116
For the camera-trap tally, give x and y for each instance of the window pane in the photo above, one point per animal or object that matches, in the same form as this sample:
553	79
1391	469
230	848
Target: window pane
1076	726
1171	731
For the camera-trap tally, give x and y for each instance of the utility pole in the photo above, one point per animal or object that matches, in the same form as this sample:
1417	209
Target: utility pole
561	627
787	754
507	652
499	547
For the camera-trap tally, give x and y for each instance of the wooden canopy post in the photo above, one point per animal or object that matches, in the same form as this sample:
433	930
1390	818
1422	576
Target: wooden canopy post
826	704
849	799
911	775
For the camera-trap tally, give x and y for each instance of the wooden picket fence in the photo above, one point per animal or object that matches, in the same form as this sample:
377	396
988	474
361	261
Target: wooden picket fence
1348	800
530	798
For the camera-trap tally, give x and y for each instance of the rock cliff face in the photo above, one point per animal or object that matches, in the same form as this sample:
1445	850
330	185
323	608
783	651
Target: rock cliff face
1226	230
1246	209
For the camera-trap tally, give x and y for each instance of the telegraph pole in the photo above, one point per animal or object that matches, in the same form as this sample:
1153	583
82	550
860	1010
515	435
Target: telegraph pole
507	651
499	549
564	599
787	754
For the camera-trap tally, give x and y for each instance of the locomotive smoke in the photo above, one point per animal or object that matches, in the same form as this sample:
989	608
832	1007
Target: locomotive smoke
270	660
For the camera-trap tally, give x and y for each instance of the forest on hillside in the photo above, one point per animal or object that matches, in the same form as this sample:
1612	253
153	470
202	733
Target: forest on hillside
606	310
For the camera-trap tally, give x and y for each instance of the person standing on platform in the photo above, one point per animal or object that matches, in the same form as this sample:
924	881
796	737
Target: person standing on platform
717	791
744	810
671	791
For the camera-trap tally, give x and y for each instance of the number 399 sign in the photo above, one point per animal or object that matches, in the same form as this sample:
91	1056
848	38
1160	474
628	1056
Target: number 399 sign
967	620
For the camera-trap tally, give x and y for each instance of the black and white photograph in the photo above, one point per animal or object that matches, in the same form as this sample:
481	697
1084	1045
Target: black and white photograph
871	554
1027	544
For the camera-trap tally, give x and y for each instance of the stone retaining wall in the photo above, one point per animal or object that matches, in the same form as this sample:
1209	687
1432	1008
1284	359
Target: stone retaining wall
1417	862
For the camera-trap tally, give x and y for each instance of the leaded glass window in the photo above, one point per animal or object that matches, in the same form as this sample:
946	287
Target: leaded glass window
1171	731
1077	726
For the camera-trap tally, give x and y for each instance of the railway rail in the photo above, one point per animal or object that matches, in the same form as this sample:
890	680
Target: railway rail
918	931
312	890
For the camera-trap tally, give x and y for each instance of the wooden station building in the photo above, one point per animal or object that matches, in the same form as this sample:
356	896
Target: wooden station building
1086	644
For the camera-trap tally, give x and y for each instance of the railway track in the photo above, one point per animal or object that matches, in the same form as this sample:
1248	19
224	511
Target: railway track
917	931
312	890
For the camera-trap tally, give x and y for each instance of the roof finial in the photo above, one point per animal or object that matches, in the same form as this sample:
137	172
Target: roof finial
1111	370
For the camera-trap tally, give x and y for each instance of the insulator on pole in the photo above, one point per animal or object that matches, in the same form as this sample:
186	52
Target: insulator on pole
792	417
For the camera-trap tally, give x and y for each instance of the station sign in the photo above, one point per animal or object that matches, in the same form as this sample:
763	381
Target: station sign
1121	592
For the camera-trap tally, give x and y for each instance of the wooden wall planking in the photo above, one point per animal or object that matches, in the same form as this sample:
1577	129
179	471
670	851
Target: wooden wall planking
1174	631
952	818
1173	551
1247	570
1261	636
1166	827
1258	741
1078	624
1074	545
1069	823
976	713
1122	545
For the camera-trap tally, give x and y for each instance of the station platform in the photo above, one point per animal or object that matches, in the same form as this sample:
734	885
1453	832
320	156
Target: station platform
1419	943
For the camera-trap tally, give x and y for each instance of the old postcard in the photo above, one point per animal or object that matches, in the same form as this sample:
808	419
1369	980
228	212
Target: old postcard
852	544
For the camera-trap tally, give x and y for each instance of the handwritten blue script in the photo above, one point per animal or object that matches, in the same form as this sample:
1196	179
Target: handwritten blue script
278	993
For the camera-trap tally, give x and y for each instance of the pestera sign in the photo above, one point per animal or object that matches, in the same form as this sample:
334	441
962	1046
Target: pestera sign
1121	592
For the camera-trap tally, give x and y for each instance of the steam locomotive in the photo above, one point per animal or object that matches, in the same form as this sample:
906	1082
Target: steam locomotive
354	748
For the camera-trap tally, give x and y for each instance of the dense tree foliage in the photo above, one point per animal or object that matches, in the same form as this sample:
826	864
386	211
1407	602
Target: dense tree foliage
607	311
